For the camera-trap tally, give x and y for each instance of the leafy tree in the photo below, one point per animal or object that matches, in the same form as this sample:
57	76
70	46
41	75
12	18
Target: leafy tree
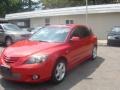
9	6
62	3
13	6
71	3
29	5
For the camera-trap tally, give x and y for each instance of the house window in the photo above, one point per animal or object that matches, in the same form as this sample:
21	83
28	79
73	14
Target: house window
69	21
47	21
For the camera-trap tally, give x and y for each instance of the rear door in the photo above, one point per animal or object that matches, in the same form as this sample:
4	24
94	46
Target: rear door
86	39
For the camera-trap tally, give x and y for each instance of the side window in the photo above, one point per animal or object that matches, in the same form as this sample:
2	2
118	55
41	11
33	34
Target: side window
76	33
1	27
81	32
84	32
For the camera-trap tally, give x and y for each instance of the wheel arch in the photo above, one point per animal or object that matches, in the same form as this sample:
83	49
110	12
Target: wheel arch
60	58
7	37
63	58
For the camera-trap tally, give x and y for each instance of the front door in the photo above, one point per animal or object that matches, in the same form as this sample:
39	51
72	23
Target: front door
81	48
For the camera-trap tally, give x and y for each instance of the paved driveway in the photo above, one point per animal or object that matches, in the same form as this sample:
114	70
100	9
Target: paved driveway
101	74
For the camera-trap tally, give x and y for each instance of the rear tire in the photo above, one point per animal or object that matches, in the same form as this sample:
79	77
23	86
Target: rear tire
59	72
8	41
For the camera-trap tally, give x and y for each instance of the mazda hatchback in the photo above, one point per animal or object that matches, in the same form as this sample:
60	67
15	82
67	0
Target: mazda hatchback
48	54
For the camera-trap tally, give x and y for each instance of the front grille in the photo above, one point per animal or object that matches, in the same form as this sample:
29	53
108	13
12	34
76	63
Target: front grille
10	59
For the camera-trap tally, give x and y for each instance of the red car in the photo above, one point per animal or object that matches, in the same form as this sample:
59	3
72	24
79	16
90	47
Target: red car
48	54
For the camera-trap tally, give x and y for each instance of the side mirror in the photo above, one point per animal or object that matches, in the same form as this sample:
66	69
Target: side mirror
74	39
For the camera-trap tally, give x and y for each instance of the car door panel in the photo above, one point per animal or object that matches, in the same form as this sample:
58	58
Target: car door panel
81	49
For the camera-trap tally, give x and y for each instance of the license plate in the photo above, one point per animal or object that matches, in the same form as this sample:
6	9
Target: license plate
5	71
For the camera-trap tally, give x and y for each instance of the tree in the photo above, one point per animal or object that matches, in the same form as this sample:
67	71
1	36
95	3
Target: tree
13	6
29	5
62	3
71	3
9	6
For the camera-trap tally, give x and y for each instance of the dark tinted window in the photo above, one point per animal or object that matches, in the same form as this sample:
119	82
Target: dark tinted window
1	27
81	32
69	21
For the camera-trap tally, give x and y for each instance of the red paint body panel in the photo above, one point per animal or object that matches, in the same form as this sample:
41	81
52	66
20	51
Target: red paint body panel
74	52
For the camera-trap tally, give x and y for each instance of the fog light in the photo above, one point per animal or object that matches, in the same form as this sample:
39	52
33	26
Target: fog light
35	77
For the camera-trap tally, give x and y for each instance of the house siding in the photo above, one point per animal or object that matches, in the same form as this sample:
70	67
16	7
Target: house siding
101	23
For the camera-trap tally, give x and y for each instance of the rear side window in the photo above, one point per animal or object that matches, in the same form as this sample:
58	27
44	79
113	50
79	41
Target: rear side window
81	32
84	32
1	27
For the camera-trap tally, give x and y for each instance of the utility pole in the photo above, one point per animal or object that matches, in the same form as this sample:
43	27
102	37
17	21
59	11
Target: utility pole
86	17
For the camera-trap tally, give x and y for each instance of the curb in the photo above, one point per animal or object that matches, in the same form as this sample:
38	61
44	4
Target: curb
102	42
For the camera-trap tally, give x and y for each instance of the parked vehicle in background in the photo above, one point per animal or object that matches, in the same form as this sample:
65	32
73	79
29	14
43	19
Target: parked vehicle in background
35	30
30	29
113	37
48	54
10	33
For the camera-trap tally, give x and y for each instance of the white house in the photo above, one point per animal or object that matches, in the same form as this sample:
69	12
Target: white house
101	18
2	20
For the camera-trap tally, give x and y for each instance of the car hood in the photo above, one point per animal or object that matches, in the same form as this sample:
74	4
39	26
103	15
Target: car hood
26	48
113	33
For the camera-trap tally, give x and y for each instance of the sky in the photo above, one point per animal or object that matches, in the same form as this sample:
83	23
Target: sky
35	0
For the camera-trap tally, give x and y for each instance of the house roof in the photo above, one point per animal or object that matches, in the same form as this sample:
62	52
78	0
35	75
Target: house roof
92	9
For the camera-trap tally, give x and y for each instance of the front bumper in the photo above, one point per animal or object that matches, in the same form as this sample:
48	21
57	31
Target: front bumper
113	42
24	73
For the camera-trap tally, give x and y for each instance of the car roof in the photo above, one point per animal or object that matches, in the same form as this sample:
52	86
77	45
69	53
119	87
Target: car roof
69	25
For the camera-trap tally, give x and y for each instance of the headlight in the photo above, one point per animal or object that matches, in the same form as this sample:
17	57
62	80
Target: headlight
111	37
36	59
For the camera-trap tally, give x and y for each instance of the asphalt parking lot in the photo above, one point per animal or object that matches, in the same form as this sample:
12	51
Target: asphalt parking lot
100	74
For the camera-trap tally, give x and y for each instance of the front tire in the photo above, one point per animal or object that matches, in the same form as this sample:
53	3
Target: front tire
59	72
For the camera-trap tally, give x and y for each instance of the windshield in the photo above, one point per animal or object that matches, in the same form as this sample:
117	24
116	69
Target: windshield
36	29
51	34
116	29
11	27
